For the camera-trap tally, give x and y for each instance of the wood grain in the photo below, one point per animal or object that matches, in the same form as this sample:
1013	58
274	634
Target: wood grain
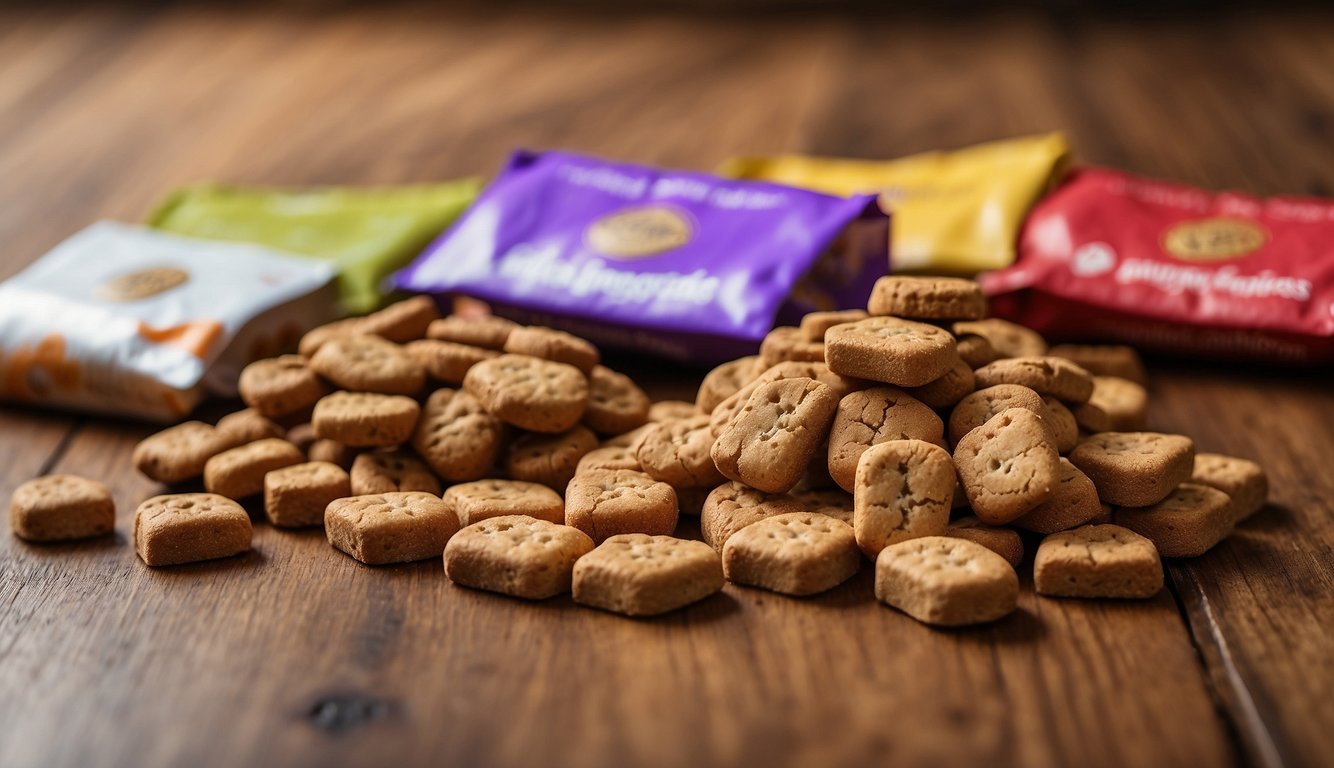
296	655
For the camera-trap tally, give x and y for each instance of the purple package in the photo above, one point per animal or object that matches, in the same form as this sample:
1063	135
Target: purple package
676	263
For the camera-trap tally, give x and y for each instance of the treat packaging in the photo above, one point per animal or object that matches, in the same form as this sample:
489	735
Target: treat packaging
133	322
368	233
956	212
681	264
1165	267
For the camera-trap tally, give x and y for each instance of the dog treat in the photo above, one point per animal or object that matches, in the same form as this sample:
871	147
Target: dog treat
726	380
1188	523
333	452
607	502
1007	466
1117	405
297	496
677	453
1097	561
402	321
364	419
61	508
946	582
369	364
550	460
978	408
281	385
1135	469
516	555
529	392
1002	541
1104	360
786	344
457	437
616	404
247	426
974	350
1053	376
814	324
445	360
769	443
1062	424
890	350
178	453
1007	339
641	575
1243	481
239	472
391	471
390	527
609	457
841	385
949	388
486	499
1072	503
302	436
487	331
733	506
796	554
666	410
927	298
189	527
903	491
550	344
830	502
323	334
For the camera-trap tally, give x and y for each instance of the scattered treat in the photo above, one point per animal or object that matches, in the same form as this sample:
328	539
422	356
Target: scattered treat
487	499
365	420
550	344
667	410
389	472
516	555
606	502
457	437
786	344
239	472
1007	466
1243	481
1003	541
1188	523
814	324
297	496
927	298
189	527
487	331
1135	469
1053	376
733	506
616	404
946	582
726	380
247	426
726	410
948	389
61	508
903	491
890	350
830	502
1097	561
974	350
390	527
550	460
796	554
402	321
281	385
981	406
368	364
1072	503
178	453
609	457
677	453
1061	422
333	452
640	575
529	392
1117	405
769	443
1104	360
446	361
1007	339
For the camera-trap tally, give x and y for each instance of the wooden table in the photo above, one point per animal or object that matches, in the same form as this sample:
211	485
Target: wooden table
297	655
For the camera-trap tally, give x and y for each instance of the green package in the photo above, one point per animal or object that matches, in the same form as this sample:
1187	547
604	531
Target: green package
369	233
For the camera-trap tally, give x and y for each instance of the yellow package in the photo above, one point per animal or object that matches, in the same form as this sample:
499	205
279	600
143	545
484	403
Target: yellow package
953	212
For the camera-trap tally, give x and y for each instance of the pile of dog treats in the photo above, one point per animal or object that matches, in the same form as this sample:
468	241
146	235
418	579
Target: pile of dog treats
915	435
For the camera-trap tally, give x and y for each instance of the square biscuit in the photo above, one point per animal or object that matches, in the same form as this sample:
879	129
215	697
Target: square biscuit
297	496
1116	405
945	581
1135	469
769	443
189	527
178	453
486	499
904	490
365	419
733	506
390	471
61	508
390	527
795	554
1097	561
1008	465
516	555
606	502
890	350
640	575
239	472
1188	523
1243	481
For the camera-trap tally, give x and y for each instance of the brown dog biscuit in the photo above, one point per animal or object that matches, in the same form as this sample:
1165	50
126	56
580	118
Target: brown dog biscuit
1097	561
178	453
949	389
830	502
609	457
927	298
365	419
873	416
486	331
1104	360
903	490
666	410
786	344
1007	339
323	334
246	426
302	436
677	453
239	472
640	575
946	582
814	324
1243	481
281	385
978	408
529	392
446	361
389	472
1072	503
189	527
402	321
369	364
1116	405
550	460
61	508
795	554
550	344
1135	469
486	499
890	350
1061	423
841	385
726	380
1188	523
733	506
1003	541
771	440
457	437
974	350
297	496
1053	376
516	555
607	502
1007	466
616	404
333	452
390	527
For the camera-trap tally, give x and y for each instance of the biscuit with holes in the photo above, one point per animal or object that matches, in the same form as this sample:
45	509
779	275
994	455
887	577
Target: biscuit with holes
889	350
949	388
297	496
795	554
871	417
733	506
247	426
281	385
640	575
485	499
1116	405
1061	424
446	361
841	385
1007	466
486	331
787	344
239	472
1072	503
978	408
831	502
365	419
1053	376
1135	469
529	392
551	460
607	502
616	404
771	440
457	437
609	457
927	298
1006	339
390	527
189	527
369	364
1104	360
516	555
178	453
814	324
1189	522
677	453
946	582
61	508
1003	541
666	410
550	344
1097	561
1243	481
391	471
726	380
903	491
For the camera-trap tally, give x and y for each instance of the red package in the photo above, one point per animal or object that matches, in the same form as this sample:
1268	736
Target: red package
1116	258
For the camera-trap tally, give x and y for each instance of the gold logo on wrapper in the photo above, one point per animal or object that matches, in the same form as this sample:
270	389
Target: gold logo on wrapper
142	283
638	233
1214	239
